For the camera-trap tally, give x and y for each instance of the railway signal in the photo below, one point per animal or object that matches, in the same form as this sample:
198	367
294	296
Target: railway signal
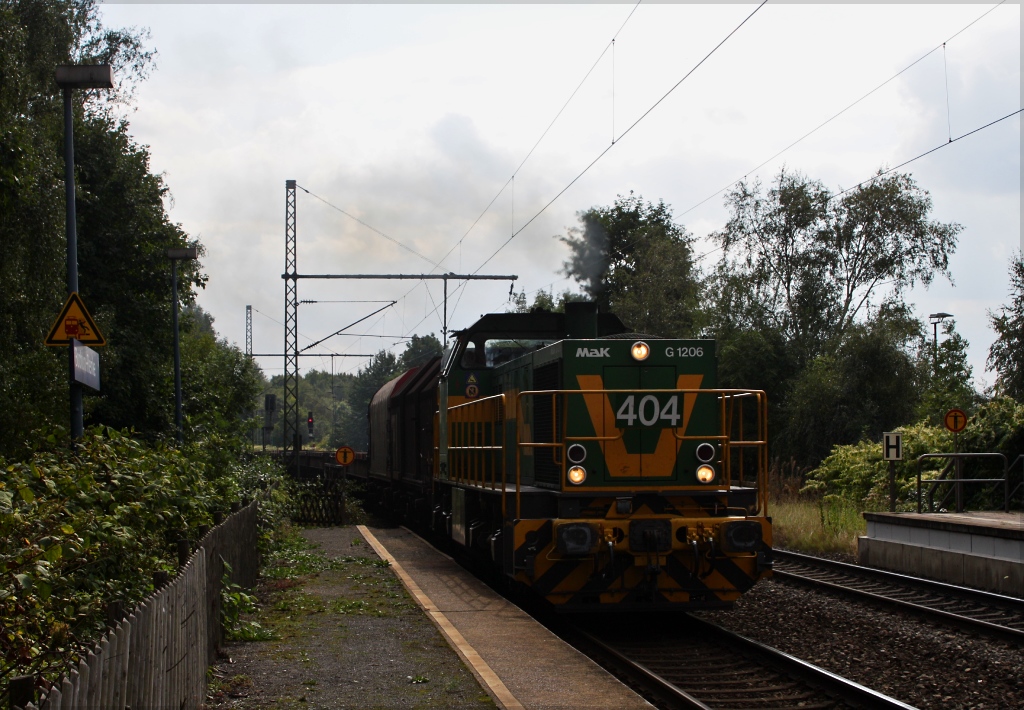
309	423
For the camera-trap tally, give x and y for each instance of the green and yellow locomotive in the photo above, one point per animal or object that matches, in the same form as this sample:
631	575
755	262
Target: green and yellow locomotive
600	468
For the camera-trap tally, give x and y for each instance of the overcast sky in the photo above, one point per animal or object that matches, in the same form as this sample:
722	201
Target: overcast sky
413	117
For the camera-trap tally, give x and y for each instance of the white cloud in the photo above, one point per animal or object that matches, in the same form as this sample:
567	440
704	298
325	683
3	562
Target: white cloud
413	117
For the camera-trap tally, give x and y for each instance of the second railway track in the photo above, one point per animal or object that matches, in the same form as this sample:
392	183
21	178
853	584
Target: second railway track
970	609
706	667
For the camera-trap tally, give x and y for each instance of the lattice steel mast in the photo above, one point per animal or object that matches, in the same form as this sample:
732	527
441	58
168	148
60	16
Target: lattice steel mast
248	331
291	331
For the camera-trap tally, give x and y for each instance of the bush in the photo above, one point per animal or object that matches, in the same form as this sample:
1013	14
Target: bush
858	473
84	526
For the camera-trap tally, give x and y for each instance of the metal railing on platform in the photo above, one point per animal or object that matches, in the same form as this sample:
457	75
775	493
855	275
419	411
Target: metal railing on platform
957	482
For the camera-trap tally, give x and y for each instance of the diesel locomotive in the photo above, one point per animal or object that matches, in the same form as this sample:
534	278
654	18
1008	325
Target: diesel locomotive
603	469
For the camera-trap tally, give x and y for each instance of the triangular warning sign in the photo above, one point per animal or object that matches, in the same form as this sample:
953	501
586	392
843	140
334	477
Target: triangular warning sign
74	322
471	380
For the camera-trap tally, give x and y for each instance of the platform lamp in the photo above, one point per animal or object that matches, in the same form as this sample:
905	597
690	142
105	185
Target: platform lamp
176	255
69	78
935	319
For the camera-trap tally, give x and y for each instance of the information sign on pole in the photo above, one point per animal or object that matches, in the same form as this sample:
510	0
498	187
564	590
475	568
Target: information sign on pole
86	363
892	451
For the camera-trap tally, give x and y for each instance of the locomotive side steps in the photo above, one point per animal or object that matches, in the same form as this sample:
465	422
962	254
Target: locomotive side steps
521	663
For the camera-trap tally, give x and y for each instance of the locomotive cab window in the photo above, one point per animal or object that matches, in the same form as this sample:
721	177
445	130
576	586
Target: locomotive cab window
491	352
497	352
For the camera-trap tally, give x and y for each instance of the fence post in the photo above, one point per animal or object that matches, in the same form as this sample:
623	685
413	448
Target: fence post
22	690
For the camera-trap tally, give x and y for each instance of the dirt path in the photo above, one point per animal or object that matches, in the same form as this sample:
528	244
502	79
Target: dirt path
347	636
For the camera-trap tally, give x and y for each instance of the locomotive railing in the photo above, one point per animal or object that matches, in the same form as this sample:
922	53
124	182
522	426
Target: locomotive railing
476	442
732	408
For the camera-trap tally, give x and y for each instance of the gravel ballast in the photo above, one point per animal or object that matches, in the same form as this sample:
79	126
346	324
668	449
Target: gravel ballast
913	660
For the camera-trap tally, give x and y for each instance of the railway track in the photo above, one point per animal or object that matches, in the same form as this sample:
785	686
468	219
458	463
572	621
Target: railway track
968	609
703	666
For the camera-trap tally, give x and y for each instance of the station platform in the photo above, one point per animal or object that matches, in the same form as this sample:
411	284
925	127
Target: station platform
519	662
982	549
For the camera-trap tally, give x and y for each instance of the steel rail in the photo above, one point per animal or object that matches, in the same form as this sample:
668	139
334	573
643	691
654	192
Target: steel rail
1010	608
840	692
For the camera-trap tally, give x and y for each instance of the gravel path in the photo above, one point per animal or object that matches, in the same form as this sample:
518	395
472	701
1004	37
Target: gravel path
910	659
349	636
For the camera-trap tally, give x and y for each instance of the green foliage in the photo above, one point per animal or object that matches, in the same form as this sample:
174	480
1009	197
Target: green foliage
948	377
219	384
543	300
811	264
419	350
1006	356
234	602
633	259
857	472
81	527
870	385
123	234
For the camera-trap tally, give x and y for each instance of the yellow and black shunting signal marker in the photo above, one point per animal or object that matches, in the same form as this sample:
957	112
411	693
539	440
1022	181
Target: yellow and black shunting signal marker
74	323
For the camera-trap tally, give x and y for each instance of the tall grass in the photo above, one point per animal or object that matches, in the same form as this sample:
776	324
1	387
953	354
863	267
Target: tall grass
811	523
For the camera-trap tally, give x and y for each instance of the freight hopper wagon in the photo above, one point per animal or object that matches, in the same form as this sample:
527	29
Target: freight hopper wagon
599	468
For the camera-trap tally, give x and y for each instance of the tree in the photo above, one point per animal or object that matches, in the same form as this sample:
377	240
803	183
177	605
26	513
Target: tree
633	259
354	427
126	276
419	350
122	226
871	384
543	300
949	375
812	263
1006	355
219	382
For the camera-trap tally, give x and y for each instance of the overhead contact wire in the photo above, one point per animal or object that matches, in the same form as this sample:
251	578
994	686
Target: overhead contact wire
370	227
840	113
621	136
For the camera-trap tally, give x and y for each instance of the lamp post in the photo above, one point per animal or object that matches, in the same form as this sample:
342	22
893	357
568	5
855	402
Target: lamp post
176	255
69	78
936	318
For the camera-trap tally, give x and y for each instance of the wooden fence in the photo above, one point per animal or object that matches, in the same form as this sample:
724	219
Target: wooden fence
318	501
156	658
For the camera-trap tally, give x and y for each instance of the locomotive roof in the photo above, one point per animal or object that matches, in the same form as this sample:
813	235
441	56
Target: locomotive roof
538	323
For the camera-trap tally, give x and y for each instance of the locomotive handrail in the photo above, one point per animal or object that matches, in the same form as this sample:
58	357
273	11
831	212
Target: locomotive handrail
476	434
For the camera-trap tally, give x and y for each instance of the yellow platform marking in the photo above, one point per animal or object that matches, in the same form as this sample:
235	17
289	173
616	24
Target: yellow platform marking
620	462
487	677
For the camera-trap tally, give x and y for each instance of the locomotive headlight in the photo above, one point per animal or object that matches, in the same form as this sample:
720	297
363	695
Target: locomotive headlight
577	475
640	351
577	453
705	452
705	474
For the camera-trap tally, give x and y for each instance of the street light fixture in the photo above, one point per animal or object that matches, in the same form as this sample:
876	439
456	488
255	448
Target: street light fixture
176	255
936	318
69	78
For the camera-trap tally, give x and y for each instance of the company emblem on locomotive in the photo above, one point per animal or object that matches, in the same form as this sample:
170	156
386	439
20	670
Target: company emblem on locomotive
600	468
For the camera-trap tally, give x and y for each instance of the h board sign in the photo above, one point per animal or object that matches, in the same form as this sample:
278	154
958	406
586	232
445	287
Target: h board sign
892	446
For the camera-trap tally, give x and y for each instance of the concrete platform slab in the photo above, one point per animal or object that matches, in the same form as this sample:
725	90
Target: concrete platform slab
537	668
983	549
